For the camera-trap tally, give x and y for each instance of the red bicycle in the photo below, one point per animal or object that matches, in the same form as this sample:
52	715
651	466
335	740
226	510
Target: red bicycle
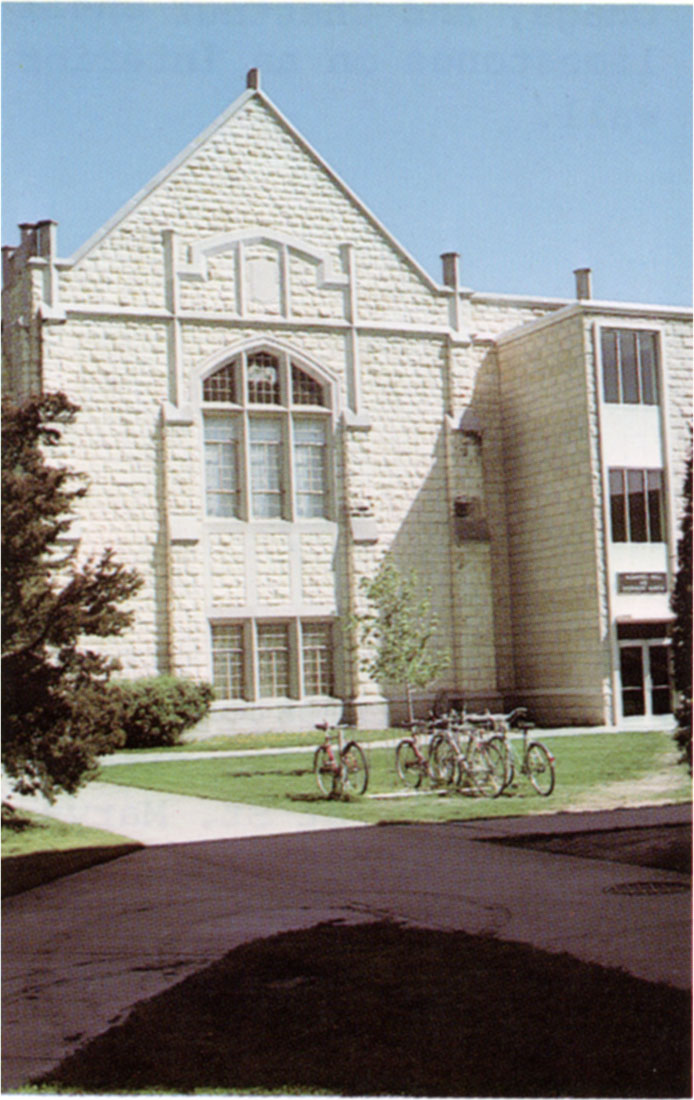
339	769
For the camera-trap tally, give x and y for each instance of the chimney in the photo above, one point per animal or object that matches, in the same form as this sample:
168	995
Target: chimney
584	289
45	236
450	269
7	252
27	236
253	79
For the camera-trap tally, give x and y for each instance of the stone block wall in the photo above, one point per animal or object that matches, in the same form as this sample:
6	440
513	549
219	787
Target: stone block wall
550	458
248	239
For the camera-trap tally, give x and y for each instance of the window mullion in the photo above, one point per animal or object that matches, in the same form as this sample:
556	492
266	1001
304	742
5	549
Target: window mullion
296	672
253	662
288	443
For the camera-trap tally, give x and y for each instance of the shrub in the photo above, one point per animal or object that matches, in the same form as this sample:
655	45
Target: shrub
156	711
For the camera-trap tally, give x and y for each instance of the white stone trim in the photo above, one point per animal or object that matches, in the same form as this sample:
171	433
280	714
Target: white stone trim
327	277
184	529
193	147
271	344
606	309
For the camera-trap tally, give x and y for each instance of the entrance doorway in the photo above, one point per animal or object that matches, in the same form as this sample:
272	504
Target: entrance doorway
646	678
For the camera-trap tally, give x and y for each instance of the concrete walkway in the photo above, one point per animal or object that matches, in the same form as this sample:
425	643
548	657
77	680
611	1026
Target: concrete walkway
154	817
80	952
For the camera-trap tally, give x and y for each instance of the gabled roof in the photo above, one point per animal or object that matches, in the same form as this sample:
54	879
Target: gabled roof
235	108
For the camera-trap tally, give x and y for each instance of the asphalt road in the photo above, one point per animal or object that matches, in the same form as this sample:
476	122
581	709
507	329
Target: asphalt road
81	951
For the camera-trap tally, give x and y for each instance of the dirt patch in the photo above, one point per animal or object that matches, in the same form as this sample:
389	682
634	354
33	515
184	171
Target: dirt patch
656	789
381	1009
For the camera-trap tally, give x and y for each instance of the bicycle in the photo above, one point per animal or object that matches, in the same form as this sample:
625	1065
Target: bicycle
343	772
534	761
412	764
462	757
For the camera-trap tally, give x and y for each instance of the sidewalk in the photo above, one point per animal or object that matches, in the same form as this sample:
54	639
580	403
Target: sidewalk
154	817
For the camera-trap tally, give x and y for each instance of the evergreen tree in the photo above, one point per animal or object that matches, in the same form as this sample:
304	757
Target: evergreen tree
56	715
399	631
682	629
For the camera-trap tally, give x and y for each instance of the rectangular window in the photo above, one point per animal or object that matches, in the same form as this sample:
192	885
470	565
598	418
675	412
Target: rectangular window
629	367
266	467
654	487
227	661
317	654
618	506
309	468
649	377
221	467
610	366
273	660
638	526
636	505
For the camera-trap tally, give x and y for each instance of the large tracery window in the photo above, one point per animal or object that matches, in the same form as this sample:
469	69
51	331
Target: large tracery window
263	459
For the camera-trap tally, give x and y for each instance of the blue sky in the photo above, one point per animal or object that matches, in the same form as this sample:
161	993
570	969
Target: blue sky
531	139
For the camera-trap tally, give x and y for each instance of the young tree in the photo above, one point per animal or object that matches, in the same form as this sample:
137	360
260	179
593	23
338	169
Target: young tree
399	632
682	628
56	715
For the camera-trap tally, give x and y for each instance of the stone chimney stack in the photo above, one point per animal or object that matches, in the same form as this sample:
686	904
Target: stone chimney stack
253	79
450	269
584	288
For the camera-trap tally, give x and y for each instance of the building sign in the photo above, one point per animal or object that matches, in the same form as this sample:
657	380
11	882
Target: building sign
640	583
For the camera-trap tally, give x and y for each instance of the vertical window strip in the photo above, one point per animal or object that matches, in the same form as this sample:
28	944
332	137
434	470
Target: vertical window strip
317	654
629	364
647	361
273	660
309	468
638	527
654	489
227	661
610	367
221	467
266	467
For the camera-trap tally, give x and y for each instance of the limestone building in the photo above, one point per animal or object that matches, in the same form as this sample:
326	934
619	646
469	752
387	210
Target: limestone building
275	396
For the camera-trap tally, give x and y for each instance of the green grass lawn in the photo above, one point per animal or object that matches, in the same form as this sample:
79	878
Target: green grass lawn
38	849
584	764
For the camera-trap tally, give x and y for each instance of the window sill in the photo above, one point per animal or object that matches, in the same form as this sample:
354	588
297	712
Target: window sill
275	701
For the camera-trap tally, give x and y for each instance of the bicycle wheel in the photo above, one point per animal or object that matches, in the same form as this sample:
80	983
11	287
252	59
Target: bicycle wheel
408	764
501	757
539	765
356	770
497	763
443	761
483	773
324	770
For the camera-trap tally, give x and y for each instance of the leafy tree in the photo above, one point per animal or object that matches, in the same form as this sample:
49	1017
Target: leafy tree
57	716
399	632
682	629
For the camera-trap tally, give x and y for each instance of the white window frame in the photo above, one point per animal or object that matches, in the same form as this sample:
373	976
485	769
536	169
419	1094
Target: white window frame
636	332
251	630
287	413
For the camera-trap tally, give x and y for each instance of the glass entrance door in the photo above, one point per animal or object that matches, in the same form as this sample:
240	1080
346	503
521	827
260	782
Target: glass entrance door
645	673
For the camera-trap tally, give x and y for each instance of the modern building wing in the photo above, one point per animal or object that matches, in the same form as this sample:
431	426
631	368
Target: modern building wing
275	398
